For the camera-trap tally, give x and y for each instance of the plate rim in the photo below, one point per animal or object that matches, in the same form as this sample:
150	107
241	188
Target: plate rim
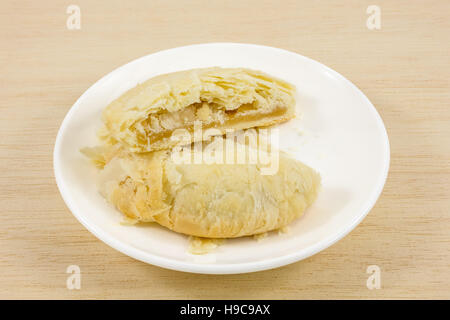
223	268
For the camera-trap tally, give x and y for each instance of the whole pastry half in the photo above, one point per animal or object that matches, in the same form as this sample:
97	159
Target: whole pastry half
144	118
205	200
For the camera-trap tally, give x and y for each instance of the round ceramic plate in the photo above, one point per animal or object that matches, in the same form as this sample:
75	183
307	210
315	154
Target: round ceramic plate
339	133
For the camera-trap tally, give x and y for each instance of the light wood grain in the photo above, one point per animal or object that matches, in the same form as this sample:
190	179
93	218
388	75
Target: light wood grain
403	68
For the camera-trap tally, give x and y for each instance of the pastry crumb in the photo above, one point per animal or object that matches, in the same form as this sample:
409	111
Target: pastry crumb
283	230
260	236
128	221
199	245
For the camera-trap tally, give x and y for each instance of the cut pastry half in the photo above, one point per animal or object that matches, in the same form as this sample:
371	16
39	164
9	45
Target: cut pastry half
144	118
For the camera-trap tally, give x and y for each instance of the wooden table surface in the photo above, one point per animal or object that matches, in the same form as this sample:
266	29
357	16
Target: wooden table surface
403	68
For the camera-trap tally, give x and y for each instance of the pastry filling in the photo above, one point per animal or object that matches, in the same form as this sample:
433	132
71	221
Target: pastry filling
159	126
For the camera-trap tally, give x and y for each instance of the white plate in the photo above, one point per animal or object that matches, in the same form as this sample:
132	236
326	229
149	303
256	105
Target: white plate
340	134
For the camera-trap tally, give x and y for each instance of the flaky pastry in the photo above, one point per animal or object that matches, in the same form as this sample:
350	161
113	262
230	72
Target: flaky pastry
144	118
